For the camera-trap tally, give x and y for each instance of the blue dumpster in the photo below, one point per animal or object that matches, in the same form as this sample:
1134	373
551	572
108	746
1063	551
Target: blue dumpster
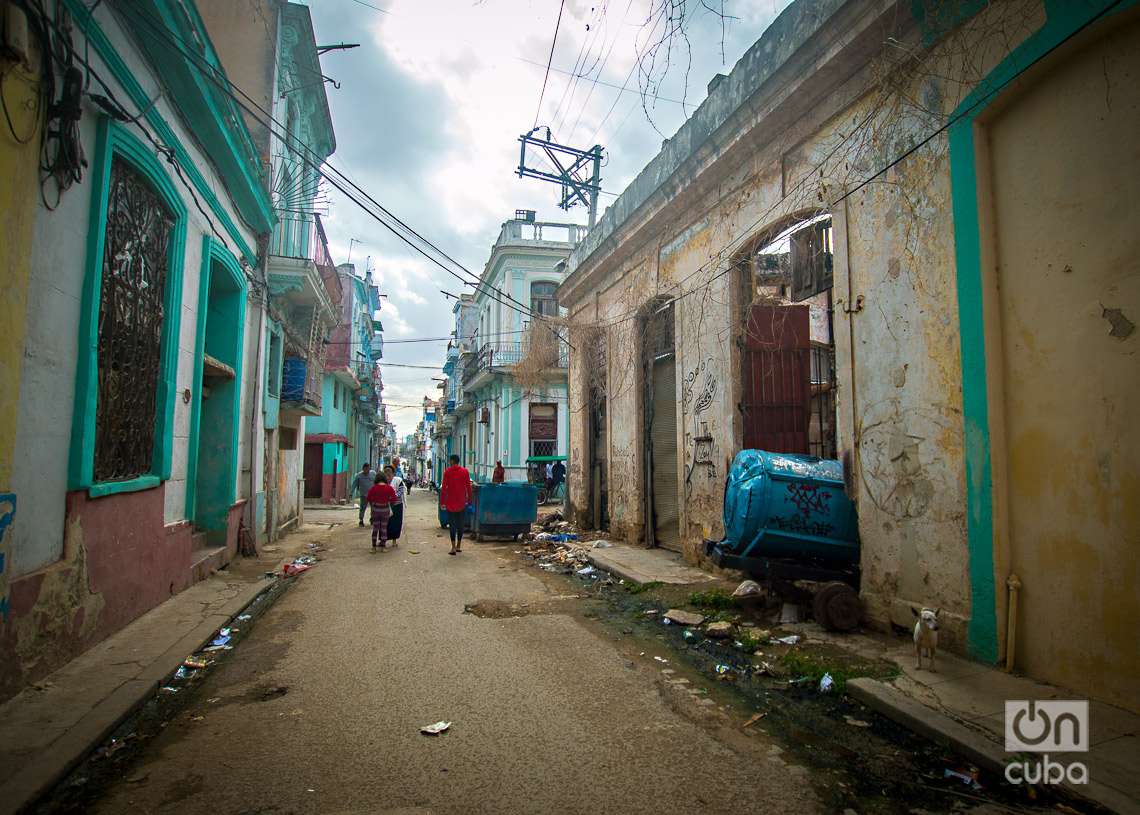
779	505
504	510
788	520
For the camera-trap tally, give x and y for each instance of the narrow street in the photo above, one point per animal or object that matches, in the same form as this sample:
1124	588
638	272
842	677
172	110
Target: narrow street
548	715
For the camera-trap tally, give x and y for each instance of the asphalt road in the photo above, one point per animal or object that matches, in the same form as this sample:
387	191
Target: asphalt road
550	713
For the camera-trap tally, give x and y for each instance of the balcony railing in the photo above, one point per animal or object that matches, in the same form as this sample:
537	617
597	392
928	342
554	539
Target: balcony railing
503	354
301	237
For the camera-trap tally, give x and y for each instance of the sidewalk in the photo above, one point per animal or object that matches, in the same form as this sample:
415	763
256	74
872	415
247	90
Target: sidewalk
47	729
639	565
962	705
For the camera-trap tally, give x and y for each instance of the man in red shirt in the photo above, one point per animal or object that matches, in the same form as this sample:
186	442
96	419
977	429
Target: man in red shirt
454	496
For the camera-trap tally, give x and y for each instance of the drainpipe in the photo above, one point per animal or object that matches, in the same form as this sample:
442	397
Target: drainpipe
256	396
851	311
1013	582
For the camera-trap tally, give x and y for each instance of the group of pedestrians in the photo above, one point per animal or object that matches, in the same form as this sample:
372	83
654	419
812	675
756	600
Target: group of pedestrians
385	492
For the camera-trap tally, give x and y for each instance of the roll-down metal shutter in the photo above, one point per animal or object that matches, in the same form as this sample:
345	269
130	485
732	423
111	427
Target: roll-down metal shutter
666	513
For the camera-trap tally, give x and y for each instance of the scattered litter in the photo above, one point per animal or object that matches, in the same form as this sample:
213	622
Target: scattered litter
667	621
167	689
765	669
749	588
218	642
435	729
114	746
290	569
682	617
755	718
826	684
650	612
856	722
586	571
196	663
791	639
690	635
214	699
413	551
213	648
601	545
662	660
244	617
789	613
724	671
969	776
181	673
197	718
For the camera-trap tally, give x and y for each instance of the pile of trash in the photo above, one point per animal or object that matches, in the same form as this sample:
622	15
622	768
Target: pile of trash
557	559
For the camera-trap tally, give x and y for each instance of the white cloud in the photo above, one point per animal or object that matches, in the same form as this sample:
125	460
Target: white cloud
428	118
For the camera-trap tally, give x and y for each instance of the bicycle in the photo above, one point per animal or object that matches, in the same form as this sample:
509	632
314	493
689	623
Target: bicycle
557	493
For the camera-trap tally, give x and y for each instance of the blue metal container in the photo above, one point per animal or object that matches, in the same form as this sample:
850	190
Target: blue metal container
778	505
504	509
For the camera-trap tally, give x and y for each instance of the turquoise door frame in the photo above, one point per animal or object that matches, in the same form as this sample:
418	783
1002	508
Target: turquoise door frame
1064	20
212	457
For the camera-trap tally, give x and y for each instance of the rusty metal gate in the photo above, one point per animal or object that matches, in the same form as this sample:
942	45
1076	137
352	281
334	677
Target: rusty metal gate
777	379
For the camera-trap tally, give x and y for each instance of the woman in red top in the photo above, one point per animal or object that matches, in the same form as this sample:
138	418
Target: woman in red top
454	496
380	498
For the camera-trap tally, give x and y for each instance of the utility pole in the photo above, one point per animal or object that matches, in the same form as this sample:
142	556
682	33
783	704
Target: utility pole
571	166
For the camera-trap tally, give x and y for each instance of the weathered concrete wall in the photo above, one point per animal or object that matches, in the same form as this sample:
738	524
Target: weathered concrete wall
790	149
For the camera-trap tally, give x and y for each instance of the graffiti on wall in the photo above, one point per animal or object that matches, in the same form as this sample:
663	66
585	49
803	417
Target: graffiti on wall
701	460
699	387
7	517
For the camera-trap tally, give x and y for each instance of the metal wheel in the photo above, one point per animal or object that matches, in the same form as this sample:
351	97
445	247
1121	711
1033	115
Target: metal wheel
836	607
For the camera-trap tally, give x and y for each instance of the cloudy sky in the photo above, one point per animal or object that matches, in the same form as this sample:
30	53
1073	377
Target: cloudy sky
429	112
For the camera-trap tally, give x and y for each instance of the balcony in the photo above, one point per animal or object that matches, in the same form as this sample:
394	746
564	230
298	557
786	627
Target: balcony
497	357
301	385
301	271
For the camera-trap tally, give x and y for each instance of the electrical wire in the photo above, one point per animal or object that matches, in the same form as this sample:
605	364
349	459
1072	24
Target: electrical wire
549	62
315	163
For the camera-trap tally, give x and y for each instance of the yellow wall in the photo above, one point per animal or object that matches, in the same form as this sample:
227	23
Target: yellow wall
1065	186
18	197
18	202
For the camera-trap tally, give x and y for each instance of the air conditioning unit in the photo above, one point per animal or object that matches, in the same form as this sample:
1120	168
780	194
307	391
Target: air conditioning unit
485	416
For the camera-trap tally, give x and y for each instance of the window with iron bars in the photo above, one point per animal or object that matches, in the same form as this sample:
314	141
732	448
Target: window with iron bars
131	313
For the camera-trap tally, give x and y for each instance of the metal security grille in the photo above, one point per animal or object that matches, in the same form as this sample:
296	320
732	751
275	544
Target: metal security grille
135	258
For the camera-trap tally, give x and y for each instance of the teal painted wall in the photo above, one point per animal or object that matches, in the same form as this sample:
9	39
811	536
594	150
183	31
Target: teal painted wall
212	464
334	414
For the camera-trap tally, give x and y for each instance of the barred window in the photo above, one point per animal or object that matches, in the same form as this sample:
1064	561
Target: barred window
131	313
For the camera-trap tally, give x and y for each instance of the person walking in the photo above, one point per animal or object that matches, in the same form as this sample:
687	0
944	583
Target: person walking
380	498
361	485
454	496
396	522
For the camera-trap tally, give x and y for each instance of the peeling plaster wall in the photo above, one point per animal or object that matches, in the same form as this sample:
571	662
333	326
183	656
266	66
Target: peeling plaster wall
899	399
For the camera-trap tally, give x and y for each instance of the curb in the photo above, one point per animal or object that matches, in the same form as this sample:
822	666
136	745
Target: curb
975	747
41	774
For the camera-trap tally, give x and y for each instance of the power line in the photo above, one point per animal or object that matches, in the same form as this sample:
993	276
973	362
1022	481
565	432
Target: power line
549	62
288	139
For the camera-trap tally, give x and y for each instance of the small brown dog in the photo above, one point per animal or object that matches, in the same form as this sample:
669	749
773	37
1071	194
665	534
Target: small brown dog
925	635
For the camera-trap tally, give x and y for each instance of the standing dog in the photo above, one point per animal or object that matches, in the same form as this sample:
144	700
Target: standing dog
925	635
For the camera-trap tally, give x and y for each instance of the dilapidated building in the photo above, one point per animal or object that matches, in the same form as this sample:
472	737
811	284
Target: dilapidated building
897	234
